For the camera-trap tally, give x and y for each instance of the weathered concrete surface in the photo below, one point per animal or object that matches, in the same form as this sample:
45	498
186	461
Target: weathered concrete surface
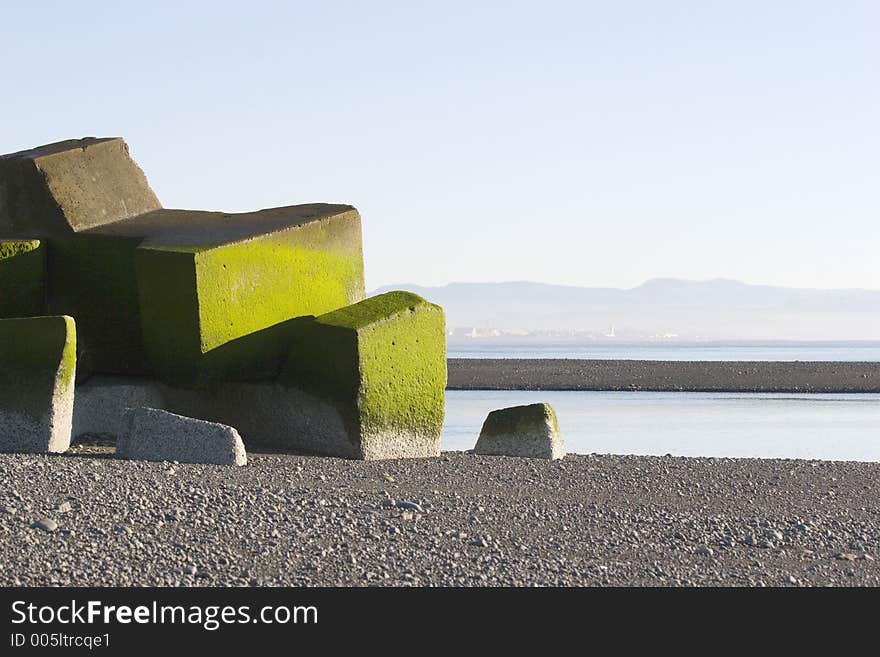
156	435
530	431
270	415
263	412
382	364
663	376
101	403
22	278
70	186
37	372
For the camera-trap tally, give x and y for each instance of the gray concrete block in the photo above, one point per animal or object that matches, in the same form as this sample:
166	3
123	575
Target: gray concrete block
157	435
37	372
530	431
71	186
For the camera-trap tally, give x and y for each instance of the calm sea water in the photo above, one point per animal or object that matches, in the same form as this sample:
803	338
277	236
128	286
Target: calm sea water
663	350
821	426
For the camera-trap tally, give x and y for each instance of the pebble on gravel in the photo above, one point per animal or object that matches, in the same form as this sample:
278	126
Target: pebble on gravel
46	524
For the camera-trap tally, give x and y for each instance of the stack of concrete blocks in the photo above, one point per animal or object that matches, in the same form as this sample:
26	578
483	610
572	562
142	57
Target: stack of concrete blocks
256	320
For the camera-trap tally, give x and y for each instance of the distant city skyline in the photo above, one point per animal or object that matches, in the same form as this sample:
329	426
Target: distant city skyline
576	143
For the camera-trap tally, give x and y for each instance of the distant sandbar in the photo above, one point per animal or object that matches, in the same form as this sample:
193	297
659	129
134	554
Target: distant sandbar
664	376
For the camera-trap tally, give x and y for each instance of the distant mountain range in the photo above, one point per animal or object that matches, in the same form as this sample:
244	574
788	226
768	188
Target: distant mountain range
716	309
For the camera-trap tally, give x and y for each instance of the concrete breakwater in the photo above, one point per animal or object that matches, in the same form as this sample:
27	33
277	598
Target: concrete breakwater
663	376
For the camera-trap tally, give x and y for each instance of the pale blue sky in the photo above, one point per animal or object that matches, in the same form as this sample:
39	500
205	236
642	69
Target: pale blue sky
586	143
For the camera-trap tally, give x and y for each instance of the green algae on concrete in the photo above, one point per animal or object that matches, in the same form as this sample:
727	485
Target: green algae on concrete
37	372
22	278
225	311
382	363
71	186
528	431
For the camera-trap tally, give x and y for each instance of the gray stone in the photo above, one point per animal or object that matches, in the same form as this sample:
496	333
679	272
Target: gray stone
46	524
530	431
37	371
156	435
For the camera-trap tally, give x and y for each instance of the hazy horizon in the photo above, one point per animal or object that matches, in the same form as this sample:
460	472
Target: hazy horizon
660	308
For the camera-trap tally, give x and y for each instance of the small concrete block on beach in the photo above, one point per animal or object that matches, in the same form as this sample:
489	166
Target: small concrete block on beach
156	435
382	364
531	431
37	371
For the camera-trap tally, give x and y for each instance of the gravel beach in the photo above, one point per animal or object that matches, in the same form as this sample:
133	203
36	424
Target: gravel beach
663	375
86	518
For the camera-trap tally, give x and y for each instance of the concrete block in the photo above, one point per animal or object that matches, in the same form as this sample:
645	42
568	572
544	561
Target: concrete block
37	372
157	435
217	291
382	364
270	415
71	186
531	431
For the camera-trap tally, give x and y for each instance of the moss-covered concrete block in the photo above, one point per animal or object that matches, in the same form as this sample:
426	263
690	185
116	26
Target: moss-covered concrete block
217	292
71	186
37	371
22	277
530	431
382	364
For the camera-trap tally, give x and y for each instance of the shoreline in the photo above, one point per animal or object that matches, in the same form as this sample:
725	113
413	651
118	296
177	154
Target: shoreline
663	375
